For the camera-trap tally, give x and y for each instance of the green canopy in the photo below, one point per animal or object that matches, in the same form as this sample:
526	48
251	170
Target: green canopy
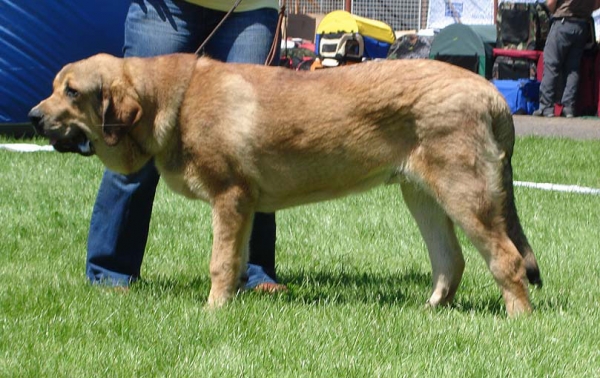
469	46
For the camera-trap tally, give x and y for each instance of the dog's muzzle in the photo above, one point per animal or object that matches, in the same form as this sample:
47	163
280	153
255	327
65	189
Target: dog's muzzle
77	142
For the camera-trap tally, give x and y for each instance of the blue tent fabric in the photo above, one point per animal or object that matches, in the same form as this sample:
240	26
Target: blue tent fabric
37	38
376	49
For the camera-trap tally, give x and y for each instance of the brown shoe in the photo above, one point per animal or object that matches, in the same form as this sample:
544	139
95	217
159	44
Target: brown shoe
270	288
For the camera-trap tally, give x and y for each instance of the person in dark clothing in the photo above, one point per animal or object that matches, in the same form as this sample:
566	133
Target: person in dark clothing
562	54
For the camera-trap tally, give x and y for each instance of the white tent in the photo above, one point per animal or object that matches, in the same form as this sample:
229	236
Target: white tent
469	12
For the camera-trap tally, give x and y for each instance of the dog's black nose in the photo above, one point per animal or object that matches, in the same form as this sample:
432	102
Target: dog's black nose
35	116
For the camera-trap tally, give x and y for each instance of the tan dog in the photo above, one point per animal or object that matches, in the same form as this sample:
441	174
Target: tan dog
247	138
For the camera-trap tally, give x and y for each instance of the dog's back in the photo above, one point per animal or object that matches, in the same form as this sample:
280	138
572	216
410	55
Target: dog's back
336	131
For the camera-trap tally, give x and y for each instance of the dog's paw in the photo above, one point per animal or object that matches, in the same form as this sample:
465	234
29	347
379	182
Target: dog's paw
216	301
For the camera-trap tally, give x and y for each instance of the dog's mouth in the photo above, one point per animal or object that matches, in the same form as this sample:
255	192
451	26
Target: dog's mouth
83	147
64	138
76	142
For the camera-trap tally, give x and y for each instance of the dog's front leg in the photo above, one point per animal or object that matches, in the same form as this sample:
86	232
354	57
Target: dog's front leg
232	214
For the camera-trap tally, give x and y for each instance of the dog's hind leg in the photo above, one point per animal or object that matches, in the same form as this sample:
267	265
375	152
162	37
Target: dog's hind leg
504	262
438	232
473	197
476	207
232	214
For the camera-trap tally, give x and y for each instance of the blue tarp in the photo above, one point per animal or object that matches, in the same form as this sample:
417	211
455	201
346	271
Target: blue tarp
38	37
522	95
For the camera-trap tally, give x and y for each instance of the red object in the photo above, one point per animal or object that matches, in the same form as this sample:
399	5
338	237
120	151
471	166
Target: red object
540	68
308	45
597	81
525	54
587	92
558	110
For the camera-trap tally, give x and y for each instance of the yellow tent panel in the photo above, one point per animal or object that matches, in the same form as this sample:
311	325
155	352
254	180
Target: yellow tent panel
343	22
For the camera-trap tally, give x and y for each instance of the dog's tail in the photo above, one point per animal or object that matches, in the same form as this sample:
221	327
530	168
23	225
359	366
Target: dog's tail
504	133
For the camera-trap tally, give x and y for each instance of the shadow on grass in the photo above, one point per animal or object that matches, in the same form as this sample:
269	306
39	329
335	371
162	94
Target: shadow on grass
410	288
493	304
323	287
488	305
312	287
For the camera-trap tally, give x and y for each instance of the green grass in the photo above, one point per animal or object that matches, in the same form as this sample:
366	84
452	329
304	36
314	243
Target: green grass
358	275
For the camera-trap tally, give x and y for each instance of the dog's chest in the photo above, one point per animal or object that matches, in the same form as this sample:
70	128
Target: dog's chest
193	189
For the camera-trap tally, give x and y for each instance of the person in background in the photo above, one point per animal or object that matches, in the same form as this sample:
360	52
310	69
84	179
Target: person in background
121	214
564	47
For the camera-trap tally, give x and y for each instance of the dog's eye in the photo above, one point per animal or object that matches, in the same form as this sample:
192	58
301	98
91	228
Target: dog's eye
71	93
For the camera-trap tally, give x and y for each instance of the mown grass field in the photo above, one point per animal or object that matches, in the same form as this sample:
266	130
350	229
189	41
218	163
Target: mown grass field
358	278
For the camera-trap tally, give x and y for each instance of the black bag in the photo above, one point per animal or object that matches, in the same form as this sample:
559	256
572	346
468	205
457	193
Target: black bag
508	68
468	62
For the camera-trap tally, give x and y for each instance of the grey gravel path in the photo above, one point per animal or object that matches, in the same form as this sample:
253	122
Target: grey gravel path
560	127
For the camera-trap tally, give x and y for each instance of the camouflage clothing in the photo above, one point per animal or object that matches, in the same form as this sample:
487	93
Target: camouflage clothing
510	20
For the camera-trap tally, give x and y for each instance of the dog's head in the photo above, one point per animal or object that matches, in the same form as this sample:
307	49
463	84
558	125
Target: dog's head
92	110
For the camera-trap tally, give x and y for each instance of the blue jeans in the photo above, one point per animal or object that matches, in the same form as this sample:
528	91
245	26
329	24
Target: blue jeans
121	214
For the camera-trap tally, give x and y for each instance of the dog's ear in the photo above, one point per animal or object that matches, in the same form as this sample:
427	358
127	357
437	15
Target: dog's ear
120	112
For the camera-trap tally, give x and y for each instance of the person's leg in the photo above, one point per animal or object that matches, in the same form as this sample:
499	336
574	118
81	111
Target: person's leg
552	68
119	226
246	37
121	214
575	36
261	263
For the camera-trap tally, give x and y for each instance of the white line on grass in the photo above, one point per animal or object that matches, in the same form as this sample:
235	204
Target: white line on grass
558	187
25	147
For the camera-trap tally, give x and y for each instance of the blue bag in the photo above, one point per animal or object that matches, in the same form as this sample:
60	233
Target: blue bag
522	95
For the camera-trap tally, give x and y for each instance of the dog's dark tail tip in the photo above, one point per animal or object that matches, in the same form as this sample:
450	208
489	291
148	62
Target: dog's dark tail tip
534	278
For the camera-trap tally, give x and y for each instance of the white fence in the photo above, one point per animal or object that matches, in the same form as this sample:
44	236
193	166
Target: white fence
399	14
